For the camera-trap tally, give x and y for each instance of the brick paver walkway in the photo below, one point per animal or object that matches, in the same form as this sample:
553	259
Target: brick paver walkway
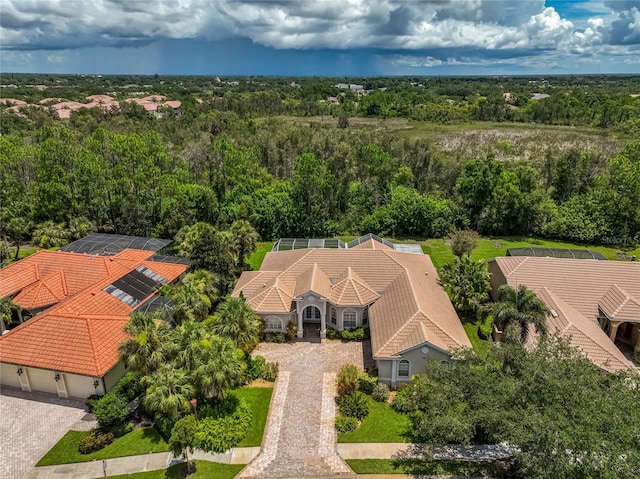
300	438
31	424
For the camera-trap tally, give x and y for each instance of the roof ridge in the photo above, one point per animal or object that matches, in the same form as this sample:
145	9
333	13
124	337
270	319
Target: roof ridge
523	261
592	341
402	328
93	344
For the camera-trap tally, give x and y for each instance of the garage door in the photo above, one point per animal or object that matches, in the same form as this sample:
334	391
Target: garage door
42	380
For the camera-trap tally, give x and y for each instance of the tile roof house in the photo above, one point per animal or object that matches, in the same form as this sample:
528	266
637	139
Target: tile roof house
595	304
397	294
74	307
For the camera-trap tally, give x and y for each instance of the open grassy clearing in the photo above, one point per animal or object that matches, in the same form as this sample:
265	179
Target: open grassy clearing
417	467
382	424
204	470
140	441
258	400
257	257
471	326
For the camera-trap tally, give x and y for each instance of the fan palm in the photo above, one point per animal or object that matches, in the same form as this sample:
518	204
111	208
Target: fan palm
146	350
466	282
190	339
516	312
50	234
189	303
237	321
222	368
7	307
206	281
169	391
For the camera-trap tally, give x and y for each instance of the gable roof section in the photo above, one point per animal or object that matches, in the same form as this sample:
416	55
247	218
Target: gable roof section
14	278
80	334
45	292
619	305
351	290
314	279
275	298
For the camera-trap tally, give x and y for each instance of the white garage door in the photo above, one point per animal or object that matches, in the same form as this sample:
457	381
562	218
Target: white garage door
42	380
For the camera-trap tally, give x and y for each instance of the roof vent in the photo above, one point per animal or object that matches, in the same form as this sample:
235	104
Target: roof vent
91	258
554	313
333	280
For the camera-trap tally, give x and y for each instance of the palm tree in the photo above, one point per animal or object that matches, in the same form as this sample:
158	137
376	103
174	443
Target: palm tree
222	368
190	339
466	282
237	321
80	227
148	347
7	307
206	281
169	391
189	302
516	311
245	238
50	234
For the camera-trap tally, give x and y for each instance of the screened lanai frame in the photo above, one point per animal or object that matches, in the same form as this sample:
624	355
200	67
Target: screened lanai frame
106	244
556	253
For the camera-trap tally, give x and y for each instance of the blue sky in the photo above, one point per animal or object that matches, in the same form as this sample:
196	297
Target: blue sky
320	37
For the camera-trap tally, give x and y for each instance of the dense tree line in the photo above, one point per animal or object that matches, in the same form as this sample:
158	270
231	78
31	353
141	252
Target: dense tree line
136	175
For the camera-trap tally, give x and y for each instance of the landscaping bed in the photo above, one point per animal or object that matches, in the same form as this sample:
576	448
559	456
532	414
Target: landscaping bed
419	467
382	424
140	441
258	400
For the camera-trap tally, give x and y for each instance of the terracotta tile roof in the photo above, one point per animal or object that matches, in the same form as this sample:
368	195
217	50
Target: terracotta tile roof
80	333
351	290
12	101
619	305
45	292
13	278
313	279
584	286
411	308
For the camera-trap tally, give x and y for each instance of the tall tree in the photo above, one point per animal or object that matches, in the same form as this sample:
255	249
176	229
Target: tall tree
221	368
146	350
169	391
237	321
245	239
466	282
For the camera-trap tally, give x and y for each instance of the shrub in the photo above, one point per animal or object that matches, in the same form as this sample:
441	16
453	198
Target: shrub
402	402
129	387
111	410
346	424
254	367
354	405
333	334
95	441
225	428
380	392
91	401
120	430
358	334
348	379
292	331
270	371
366	383
164	424
272	337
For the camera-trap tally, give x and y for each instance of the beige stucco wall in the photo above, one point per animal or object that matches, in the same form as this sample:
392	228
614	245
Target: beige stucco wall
8	376
339	311
81	386
301	304
497	279
417	359
384	370
283	317
112	377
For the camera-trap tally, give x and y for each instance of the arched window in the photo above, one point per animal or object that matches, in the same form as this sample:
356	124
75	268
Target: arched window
365	316
404	369
349	319
273	324
311	312
334	316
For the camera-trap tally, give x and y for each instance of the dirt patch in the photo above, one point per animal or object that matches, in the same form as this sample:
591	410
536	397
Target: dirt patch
260	383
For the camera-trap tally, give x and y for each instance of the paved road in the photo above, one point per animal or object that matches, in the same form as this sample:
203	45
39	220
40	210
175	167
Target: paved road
300	437
30	424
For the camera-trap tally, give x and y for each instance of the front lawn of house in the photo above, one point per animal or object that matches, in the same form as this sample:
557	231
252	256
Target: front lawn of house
204	470
140	441
417	467
258	400
382	424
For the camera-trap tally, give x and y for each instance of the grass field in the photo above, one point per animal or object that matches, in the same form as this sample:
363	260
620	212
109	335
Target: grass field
419	468
256	259
258	400
140	441
382	424
204	470
480	346
488	248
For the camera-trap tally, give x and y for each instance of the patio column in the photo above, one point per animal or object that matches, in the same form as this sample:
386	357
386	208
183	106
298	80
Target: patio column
300	324
323	322
614	330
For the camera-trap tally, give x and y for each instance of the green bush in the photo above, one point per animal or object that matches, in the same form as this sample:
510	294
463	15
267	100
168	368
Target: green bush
366	383
333	334
348	379
402	402
292	331
120	430
129	387
272	337
225	428
95	441
254	367
346	424
111	410
358	334
270	371
354	405
91	401
380	392
164	423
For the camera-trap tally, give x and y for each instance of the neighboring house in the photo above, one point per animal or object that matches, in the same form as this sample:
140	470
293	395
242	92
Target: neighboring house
594	304
392	289
74	308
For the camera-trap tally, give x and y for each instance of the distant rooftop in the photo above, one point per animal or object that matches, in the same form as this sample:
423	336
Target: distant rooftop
368	241
556	253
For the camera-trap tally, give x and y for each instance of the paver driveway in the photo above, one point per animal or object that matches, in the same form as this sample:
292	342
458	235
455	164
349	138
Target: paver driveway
300	438
30	424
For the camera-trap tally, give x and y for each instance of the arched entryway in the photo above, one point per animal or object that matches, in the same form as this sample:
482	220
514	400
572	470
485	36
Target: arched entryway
311	314
311	322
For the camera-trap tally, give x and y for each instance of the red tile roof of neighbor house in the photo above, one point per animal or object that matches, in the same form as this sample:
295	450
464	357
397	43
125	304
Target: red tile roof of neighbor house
410	307
80	333
576	290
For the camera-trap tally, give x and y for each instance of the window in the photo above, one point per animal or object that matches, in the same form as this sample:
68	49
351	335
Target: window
334	316
349	319
365	316
273	324
311	312
404	369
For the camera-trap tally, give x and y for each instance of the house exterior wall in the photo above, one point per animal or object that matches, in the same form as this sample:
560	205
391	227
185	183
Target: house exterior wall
285	318
340	310
81	386
417	357
41	380
112	377
497	279
8	375
301	304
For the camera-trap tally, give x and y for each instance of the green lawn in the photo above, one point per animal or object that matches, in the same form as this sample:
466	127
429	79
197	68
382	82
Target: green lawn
382	424
140	441
258	400
394	466
480	346
204	470
255	260
441	253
